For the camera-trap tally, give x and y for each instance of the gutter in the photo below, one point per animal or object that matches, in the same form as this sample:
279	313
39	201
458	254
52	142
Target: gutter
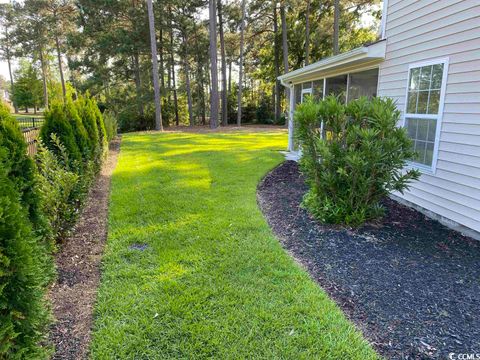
322	64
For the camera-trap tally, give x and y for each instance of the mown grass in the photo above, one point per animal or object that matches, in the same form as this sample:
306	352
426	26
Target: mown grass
213	282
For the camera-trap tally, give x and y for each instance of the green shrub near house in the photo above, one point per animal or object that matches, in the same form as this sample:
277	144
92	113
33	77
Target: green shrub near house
354	160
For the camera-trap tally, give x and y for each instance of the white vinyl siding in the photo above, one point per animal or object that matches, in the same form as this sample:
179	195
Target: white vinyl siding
420	31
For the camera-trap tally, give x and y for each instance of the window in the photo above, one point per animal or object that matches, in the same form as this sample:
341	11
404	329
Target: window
305	93
318	90
423	109
363	84
337	86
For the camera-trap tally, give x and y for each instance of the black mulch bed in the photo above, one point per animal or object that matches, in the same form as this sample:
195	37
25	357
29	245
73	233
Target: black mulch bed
409	283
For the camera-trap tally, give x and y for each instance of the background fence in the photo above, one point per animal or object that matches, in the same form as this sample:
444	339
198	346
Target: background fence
30	122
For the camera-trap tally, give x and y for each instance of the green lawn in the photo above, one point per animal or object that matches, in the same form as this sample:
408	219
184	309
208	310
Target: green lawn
214	282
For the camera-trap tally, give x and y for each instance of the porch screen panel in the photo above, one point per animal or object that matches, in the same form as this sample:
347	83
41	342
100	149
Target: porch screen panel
363	84
318	90
298	94
337	86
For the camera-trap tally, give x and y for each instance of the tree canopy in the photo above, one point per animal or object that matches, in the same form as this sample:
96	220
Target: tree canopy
103	47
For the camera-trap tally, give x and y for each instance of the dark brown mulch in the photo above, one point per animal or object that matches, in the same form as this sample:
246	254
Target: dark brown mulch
78	266
409	283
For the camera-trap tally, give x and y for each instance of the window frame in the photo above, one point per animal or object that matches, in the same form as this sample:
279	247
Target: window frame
438	117
306	92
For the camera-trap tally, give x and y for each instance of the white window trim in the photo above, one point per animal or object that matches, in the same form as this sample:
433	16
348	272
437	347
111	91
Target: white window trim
445	61
306	91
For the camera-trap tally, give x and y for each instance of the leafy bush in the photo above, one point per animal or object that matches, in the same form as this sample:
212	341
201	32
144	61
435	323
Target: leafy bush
25	266
110	122
56	122
355	161
131	121
58	189
264	113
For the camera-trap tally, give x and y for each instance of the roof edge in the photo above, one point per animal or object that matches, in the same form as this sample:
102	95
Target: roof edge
362	52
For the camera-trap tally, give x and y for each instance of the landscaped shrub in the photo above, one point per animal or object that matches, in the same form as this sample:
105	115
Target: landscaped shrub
89	120
58	188
356	160
79	131
24	316
25	264
110	122
102	133
56	122
21	167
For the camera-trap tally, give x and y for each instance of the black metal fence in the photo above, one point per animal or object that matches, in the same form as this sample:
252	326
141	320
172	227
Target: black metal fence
30	122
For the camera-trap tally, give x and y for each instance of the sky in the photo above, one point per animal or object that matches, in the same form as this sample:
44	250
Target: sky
3	64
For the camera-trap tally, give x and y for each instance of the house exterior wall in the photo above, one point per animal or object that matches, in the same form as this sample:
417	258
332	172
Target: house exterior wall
422	30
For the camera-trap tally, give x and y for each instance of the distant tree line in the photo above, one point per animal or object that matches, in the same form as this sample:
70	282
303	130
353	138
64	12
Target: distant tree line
218	60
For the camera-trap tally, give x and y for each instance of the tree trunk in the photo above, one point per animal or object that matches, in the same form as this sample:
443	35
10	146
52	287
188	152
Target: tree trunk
60	67
277	96
162	68
307	34
44	78
172	60
156	88
229	77
240	65
200	78
12	86
336	26
187	79
224	67
284	45
138	83
213	65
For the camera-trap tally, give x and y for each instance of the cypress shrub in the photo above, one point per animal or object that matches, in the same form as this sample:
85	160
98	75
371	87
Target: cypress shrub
102	133
81	135
56	122
111	126
25	265
22	167
89	121
24	316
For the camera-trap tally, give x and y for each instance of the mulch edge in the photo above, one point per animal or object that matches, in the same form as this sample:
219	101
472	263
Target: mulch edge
369	333
78	261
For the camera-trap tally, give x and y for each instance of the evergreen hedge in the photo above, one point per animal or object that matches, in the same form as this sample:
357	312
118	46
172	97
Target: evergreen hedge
56	122
25	264
89	120
39	202
79	131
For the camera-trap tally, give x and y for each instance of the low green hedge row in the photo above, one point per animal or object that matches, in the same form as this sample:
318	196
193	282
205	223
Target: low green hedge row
40	200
